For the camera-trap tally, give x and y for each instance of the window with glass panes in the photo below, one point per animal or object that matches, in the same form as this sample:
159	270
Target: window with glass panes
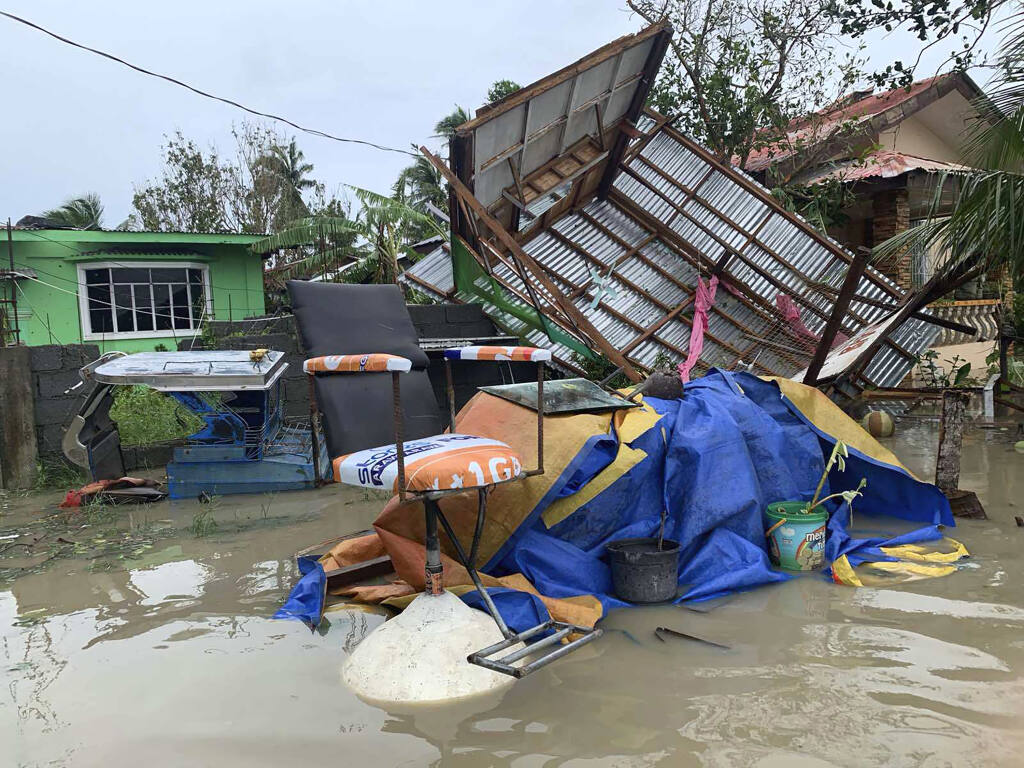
143	299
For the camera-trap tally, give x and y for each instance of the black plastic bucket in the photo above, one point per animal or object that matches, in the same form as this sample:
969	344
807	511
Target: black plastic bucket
642	573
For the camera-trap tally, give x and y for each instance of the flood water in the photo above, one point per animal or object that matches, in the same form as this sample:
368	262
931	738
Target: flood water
168	657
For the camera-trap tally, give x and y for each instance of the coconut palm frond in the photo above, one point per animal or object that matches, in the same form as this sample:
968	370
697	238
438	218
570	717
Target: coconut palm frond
308	231
85	212
445	127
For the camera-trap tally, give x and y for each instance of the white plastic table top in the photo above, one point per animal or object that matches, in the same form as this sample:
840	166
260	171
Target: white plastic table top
197	371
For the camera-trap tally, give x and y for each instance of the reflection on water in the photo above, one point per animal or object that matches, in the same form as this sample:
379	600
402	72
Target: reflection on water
170	659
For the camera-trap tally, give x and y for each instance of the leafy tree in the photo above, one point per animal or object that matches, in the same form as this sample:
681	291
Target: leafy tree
85	212
739	71
929	21
264	185
501	89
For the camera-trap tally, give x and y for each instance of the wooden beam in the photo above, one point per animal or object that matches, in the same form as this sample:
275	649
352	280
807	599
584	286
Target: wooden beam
509	242
603	53
828	334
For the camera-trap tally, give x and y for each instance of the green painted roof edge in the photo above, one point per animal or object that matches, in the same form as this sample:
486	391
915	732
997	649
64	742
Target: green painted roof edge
118	236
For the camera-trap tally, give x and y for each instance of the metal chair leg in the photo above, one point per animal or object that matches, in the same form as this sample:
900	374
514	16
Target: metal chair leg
544	651
434	570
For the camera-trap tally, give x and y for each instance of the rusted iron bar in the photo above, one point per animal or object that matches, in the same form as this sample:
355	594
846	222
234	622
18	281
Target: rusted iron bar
396	401
828	334
509	242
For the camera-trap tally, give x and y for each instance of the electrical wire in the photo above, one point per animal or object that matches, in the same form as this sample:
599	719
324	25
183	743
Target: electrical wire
230	102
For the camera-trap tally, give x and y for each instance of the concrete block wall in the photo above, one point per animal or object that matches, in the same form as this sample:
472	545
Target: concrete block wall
54	376
17	423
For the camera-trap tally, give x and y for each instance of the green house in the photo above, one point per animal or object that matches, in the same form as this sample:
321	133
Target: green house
129	291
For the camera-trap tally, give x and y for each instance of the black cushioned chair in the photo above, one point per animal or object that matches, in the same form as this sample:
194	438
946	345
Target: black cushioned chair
336	319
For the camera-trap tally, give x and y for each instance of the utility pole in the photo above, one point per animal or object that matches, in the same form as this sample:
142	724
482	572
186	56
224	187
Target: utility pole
16	333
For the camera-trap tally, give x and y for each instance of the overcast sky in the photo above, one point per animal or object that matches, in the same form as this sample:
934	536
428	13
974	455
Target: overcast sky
383	71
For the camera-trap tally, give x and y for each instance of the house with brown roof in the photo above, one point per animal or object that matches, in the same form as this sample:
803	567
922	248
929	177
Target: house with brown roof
889	148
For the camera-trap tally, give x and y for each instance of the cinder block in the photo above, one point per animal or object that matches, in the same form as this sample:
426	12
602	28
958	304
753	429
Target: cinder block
74	356
423	314
46	357
464	313
50	438
58	383
59	412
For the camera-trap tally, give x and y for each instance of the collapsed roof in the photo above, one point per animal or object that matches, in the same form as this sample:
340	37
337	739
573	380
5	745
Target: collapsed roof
583	223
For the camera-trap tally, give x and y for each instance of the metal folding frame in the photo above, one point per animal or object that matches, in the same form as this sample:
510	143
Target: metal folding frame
544	651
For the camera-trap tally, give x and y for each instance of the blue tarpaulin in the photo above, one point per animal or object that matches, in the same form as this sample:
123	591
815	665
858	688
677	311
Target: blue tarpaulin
713	461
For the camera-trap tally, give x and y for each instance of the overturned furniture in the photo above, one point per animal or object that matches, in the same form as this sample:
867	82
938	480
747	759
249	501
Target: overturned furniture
427	470
244	446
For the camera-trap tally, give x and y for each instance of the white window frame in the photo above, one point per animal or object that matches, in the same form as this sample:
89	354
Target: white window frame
170	333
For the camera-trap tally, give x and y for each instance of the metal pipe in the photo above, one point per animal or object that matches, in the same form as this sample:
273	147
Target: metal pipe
433	569
510	641
491	608
551	639
481	514
540	418
314	431
399	439
450	388
558	653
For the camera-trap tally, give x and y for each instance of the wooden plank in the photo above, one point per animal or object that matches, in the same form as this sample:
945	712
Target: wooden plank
509	242
685	250
751	237
743	257
842	303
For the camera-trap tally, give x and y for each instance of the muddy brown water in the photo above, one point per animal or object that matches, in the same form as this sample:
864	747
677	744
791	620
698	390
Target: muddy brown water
170	658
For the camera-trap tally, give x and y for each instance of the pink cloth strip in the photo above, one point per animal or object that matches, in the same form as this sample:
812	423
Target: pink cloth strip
791	313
702	302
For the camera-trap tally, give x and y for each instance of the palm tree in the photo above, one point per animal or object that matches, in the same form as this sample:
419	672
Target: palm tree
288	165
421	185
445	127
986	227
85	212
383	225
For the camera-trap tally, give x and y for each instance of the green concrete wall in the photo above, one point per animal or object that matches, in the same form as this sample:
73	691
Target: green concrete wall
48	308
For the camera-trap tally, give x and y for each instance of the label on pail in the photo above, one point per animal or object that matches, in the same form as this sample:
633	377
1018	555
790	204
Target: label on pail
796	548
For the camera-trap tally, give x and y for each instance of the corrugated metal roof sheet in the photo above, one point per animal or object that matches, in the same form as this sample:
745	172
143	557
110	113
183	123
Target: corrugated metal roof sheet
630	264
882	164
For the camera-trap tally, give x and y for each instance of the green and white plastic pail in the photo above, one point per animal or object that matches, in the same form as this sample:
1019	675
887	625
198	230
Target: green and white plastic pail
796	539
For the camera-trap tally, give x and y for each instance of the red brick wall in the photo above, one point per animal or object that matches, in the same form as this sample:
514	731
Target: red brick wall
891	209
